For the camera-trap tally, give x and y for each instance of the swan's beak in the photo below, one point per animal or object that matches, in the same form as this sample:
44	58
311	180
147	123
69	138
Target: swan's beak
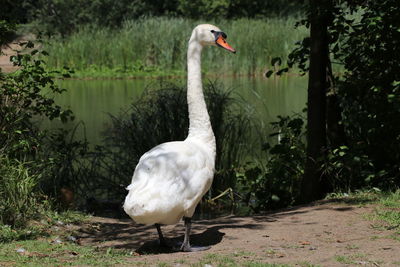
222	43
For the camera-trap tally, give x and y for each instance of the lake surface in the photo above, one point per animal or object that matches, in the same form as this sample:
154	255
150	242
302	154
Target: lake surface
92	101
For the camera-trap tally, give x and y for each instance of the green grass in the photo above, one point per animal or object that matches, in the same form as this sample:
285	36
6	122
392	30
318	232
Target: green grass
307	264
386	213
356	259
40	227
345	259
157	47
46	253
34	245
232	261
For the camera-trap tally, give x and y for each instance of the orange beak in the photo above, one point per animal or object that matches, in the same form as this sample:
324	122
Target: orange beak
222	43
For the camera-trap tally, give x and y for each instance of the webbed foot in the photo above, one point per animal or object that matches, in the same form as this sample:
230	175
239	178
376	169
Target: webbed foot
193	248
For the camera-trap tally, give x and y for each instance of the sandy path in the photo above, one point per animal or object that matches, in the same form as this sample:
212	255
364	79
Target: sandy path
7	51
317	234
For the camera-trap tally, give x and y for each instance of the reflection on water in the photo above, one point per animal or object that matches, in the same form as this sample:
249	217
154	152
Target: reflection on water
92	101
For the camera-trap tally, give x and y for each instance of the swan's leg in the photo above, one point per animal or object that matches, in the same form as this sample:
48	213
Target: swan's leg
163	243
186	243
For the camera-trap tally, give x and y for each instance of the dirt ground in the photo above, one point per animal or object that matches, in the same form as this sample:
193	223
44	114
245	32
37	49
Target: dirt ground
10	50
325	233
7	51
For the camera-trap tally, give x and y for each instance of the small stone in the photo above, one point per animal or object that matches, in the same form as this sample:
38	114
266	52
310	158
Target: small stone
57	241
72	238
59	223
21	250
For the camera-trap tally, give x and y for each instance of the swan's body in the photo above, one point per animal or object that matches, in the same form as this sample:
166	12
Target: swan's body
170	179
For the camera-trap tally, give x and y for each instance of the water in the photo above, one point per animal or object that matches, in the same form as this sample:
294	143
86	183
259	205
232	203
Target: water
93	101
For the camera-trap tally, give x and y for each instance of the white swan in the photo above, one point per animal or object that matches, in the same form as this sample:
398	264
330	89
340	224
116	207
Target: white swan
171	178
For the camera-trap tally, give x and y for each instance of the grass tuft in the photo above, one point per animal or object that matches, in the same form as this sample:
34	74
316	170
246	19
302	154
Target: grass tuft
46	253
386	213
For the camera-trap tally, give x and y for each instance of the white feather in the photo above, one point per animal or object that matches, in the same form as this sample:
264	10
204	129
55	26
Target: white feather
168	182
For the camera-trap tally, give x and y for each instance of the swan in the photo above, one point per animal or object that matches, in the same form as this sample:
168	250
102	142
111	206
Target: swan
171	178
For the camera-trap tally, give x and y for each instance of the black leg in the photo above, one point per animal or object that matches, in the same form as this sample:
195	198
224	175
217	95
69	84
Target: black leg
186	242
163	243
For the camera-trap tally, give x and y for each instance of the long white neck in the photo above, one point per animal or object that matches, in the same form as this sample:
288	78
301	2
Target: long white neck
199	120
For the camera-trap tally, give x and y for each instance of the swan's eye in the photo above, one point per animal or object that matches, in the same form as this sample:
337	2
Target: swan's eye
217	34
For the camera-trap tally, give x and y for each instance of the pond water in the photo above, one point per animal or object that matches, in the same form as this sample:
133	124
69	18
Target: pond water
92	101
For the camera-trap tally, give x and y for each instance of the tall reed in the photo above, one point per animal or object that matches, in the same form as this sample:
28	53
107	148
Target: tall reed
158	45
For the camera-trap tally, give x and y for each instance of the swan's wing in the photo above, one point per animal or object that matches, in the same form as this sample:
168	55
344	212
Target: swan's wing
169	178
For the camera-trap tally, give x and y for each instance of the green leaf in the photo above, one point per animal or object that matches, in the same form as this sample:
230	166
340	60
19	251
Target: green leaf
276	60
269	73
280	72
275	198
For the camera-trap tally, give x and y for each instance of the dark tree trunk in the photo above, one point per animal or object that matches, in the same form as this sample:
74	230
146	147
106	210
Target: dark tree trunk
312	184
335	130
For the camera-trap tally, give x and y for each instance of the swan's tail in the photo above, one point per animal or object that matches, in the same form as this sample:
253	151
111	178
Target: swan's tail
148	209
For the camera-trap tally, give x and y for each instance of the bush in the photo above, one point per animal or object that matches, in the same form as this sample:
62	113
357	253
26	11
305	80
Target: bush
160	116
18	192
276	183
25	95
22	99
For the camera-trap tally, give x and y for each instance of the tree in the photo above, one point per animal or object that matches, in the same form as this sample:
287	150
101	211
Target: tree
353	132
312	183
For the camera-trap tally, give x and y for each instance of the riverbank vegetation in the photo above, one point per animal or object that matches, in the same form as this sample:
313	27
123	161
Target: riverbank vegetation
149	38
157	47
357	144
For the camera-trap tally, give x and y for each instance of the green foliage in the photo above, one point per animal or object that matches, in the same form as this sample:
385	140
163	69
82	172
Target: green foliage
25	96
65	217
9	234
66	16
6	32
66	160
142	46
18	188
276	184
370	87
16	11
21	99
161	116
364	37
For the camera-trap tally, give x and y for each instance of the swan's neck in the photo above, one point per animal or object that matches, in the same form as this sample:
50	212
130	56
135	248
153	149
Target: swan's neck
199	120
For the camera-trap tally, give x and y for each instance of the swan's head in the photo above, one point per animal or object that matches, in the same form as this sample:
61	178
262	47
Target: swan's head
207	34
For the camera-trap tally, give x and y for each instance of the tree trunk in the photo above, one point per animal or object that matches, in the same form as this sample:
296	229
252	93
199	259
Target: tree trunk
335	130
311	188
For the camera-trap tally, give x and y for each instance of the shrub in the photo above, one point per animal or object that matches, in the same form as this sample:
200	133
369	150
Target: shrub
160	116
18	191
276	183
25	95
